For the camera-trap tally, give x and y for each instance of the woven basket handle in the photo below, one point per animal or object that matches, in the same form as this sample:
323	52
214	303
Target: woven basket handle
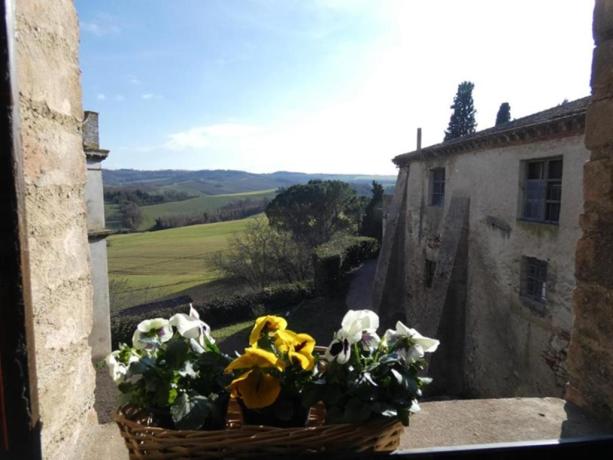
234	415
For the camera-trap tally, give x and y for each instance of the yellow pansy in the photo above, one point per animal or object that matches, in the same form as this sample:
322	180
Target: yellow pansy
299	347
265	324
256	387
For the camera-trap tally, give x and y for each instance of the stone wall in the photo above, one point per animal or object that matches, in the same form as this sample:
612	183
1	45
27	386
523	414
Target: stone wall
590	360
48	74
508	347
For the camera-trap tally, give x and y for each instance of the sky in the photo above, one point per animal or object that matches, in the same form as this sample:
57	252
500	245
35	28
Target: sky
329	86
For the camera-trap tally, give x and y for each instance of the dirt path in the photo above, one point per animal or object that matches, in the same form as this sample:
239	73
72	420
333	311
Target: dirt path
359	295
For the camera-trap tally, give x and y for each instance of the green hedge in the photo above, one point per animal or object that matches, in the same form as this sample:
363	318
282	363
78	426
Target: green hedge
220	312
332	261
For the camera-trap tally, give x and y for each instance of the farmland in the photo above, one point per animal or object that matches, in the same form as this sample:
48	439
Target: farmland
151	265
197	205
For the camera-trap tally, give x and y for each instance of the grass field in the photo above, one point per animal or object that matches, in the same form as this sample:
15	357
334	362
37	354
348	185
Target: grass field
197	205
151	265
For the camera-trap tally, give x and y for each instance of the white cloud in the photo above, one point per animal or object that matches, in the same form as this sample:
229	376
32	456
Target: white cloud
200	137
101	25
134	80
100	96
147	96
119	97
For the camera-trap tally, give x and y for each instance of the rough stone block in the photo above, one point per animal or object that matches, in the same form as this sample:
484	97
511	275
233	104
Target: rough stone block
602	70
603	20
593	311
593	260
598	184
598	132
53	153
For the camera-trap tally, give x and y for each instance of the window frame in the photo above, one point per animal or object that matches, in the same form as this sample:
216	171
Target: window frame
533	272
546	184
434	182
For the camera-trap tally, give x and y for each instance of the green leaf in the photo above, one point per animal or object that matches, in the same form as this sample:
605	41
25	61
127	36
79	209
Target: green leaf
403	416
191	412
176	353
356	411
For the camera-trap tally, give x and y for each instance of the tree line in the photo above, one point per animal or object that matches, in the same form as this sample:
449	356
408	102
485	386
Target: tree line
143	198
280	247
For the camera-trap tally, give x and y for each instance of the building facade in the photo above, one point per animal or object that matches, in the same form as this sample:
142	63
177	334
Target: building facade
482	252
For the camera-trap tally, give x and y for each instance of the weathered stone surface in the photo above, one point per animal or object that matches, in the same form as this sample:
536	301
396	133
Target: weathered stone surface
509	348
485	421
603	20
602	69
590	356
598	185
599	134
593	312
54	173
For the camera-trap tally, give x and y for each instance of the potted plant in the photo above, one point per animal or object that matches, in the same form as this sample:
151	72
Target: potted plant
281	395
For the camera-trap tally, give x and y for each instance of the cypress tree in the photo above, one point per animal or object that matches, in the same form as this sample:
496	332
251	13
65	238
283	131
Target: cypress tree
504	114
462	121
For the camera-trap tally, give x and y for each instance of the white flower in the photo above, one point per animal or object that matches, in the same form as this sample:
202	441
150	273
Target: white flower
339	350
425	344
414	406
191	327
356	322
370	341
117	369
188	370
150	333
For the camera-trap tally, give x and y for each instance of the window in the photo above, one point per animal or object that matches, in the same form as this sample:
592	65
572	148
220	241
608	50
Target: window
534	279
543	190
429	270
437	187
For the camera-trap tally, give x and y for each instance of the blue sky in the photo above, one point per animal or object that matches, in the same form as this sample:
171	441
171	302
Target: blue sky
336	86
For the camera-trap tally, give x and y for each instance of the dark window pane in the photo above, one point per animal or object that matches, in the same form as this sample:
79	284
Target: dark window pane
535	170
437	186
554	191
552	212
534	279
438	174
555	169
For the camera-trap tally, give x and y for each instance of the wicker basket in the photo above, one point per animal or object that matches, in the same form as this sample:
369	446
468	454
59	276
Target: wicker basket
243	441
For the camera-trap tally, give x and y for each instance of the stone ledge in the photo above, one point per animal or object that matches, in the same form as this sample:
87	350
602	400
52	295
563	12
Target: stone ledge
488	421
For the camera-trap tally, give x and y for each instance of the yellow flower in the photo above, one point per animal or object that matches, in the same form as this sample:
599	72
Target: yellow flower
265	324
299	347
256	387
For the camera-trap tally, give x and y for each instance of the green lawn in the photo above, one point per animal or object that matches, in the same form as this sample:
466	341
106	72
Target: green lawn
151	265
197	205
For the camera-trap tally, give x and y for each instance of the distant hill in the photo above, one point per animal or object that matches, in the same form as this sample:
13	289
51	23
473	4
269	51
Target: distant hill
218	182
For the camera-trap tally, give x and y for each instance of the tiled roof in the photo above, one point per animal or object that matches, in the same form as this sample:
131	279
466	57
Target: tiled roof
566	118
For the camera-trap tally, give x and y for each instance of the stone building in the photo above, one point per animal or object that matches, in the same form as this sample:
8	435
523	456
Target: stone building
100	337
485	237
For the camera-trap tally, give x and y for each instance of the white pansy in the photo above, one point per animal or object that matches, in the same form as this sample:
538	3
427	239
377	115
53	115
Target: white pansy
426	344
356	322
414	406
191	327
370	341
188	370
117	369
339	349
150	333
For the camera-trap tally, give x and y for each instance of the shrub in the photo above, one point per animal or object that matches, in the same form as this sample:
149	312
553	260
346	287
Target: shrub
332	261
220	312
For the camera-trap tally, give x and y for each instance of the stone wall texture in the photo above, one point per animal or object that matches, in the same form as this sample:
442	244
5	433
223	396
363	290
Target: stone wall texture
503	344
590	359
47	42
